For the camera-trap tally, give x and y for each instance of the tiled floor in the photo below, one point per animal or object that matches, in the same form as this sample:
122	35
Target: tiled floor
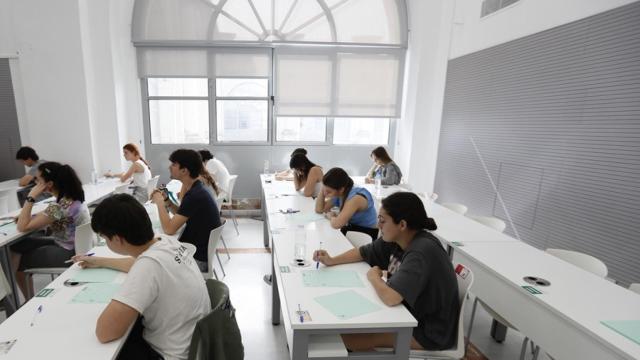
252	299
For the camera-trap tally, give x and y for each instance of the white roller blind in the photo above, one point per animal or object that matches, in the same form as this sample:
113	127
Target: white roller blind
205	62
362	83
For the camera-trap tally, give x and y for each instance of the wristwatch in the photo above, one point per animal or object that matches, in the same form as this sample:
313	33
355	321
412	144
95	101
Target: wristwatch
31	199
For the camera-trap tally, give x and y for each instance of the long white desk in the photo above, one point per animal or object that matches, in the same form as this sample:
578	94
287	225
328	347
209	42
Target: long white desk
289	291
63	330
565	319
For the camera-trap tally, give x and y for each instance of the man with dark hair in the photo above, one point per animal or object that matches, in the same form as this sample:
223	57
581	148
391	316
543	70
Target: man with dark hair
164	292
197	209
28	157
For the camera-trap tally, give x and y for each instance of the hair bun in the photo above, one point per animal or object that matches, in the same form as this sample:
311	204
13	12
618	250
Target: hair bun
430	224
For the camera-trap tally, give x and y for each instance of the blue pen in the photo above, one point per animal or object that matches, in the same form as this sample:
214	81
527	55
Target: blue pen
318	262
38	311
71	260
300	312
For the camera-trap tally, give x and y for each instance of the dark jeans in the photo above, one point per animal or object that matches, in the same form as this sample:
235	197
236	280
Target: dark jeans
373	232
41	251
136	348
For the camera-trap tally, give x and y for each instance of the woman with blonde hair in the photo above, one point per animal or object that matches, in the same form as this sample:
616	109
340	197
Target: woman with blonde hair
139	171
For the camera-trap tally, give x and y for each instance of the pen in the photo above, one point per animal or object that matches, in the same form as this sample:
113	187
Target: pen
318	261
38	311
71	260
300	312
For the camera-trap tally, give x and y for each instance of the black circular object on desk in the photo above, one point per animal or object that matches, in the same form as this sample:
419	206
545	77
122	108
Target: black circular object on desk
533	280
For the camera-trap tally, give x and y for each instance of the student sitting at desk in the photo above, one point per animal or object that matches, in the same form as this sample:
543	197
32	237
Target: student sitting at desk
60	219
218	171
28	157
419	275
139	170
197	208
356	208
164	293
288	174
307	176
384	167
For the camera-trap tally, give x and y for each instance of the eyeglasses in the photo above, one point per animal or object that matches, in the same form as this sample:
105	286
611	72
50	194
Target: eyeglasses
381	220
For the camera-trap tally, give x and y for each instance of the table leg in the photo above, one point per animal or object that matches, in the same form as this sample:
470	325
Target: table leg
265	223
301	345
403	343
275	297
10	276
498	331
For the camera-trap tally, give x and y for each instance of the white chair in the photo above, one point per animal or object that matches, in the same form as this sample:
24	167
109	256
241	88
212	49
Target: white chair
490	221
212	247
230	185
459	208
8	201
4	203
464	277
152	183
83	242
219	201
581	260
358	239
635	287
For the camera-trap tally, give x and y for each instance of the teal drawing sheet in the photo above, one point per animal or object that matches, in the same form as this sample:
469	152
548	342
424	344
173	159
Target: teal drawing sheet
96	293
305	217
99	275
347	304
627	328
9	228
331	278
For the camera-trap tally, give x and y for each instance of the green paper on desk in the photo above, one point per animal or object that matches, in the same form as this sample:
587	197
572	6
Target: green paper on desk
96	293
305	217
9	228
331	278
98	275
627	328
347	304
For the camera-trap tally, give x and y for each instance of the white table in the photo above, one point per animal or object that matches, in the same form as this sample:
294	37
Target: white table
565	319
63	330
288	290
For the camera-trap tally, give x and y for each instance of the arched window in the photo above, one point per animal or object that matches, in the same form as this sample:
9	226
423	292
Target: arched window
322	58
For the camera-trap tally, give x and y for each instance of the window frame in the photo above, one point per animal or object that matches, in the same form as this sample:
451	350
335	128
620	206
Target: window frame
327	141
146	99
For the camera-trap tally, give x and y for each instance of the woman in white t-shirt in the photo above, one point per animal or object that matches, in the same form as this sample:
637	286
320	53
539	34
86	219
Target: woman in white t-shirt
219	172
139	171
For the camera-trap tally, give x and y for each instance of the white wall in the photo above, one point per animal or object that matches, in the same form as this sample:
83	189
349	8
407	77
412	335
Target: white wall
75	79
523	18
419	129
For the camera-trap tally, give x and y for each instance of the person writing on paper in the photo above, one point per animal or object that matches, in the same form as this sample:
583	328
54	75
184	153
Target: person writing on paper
29	158
356	208
55	245
163	295
288	174
139	170
307	176
198	210
384	167
419	275
218	171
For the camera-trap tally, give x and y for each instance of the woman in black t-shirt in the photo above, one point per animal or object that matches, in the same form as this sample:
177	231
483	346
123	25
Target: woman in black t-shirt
419	275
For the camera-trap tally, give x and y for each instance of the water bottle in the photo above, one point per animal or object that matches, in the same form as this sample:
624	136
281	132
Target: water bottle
300	247
378	181
94	176
266	167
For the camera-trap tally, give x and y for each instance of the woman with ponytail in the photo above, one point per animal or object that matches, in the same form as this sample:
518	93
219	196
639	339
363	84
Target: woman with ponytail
139	170
55	245
356	208
418	274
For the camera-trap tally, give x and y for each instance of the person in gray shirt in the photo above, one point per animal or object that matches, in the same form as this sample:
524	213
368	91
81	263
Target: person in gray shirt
28	157
419	275
384	167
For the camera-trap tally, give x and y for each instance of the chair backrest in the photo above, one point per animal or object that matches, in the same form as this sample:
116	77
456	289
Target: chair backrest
152	183
214	240
8	201
464	277
358	239
459	208
4	203
85	238
581	260
490	221
230	185
635	287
